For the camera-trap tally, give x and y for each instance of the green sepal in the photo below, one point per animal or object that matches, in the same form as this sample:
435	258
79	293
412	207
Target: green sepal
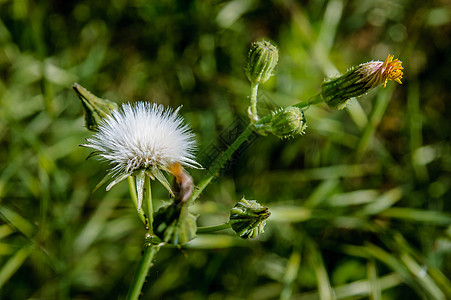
155	172
248	218
175	224
337	91
95	108
287	122
262	59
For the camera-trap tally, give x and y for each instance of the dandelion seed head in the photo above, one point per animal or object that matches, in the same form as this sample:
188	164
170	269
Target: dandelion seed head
141	136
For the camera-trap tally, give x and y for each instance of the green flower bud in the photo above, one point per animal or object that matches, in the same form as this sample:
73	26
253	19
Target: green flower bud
174	224
287	122
262	60
95	107
359	80
338	91
248	218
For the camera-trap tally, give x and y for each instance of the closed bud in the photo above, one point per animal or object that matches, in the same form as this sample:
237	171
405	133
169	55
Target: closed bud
248	218
262	60
287	122
359	80
95	108
175	224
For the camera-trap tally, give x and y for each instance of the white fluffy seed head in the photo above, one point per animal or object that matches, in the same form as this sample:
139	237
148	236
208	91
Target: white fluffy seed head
141	136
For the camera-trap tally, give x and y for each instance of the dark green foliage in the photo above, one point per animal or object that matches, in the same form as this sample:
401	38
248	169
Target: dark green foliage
174	224
359	204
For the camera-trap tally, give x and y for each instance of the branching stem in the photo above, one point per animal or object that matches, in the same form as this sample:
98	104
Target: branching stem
227	154
150	249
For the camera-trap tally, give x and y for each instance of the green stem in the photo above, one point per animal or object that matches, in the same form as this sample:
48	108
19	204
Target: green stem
213	228
253	108
219	163
148	204
227	154
312	101
149	249
134	197
143	269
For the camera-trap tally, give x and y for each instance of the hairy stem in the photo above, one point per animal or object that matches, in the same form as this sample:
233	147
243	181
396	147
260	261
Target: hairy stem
148	204
253	108
150	249
312	101
144	266
219	163
227	154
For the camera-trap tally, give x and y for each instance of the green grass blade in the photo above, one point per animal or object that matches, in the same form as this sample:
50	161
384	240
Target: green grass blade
14	263
418	215
356	289
421	276
322	278
373	281
291	273
321	192
380	106
415	128
17	221
383	202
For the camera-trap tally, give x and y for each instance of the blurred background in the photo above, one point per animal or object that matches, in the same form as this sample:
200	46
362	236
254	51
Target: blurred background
360	204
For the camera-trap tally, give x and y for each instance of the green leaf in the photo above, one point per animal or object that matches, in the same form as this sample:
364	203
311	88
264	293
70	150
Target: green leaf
14	263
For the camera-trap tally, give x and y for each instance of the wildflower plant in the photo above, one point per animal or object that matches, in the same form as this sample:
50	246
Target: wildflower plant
142	141
357	189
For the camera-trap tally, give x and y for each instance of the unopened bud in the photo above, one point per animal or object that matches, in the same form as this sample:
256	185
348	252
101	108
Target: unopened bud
248	218
175	224
359	80
262	60
287	122
95	108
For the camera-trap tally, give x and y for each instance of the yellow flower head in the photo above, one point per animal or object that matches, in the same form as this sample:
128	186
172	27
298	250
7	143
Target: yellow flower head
393	69
377	72
359	80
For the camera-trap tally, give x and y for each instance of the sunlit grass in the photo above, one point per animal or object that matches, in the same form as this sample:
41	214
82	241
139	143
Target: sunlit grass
359	204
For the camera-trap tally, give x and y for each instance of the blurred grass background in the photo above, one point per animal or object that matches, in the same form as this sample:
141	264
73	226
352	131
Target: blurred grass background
360	203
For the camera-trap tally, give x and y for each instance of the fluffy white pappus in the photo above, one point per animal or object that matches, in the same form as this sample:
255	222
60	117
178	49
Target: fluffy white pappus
141	136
